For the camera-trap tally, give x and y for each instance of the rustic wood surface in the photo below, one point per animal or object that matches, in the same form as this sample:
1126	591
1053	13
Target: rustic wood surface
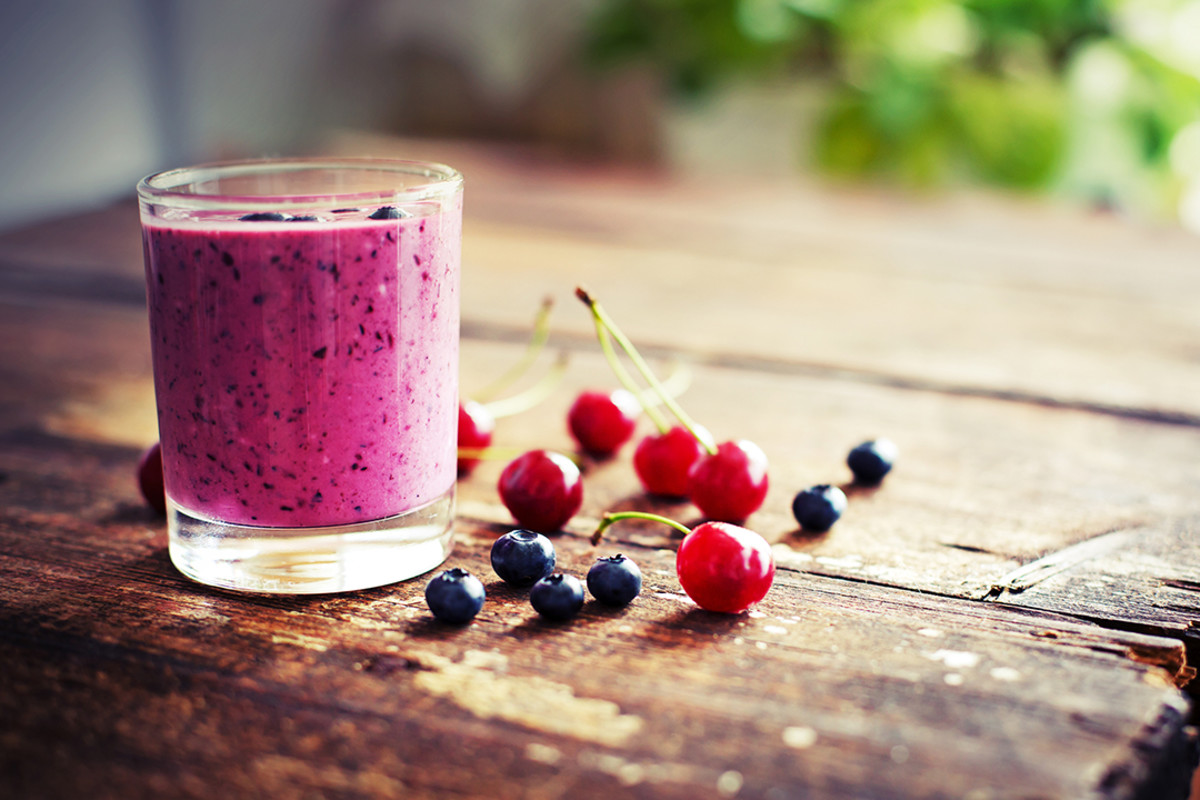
1011	614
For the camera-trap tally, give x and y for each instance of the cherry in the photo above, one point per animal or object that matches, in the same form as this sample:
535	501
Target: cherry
475	428
603	421
662	461
542	490
723	567
730	484
150	478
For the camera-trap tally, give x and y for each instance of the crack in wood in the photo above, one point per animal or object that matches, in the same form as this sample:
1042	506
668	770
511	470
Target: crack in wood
969	548
1033	573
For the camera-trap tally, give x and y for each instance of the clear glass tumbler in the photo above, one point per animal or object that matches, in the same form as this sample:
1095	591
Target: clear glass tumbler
304	317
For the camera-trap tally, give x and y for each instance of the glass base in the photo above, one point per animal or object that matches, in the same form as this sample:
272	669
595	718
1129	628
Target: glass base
338	558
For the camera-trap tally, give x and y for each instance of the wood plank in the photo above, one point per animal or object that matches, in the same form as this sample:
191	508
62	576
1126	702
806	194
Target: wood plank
125	680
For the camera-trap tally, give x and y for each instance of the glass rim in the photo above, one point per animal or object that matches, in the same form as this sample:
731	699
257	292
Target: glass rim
162	188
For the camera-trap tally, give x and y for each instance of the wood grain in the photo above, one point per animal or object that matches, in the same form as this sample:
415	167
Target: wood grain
126	680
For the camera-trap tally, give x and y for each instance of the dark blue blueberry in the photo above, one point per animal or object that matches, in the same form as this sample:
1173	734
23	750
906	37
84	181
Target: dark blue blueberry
389	212
264	216
558	597
303	218
614	580
521	557
817	508
870	461
455	596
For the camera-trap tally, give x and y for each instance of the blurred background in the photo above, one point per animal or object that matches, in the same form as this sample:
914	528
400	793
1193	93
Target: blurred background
1092	101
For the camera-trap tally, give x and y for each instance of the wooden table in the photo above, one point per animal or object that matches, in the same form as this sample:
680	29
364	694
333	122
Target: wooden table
1011	615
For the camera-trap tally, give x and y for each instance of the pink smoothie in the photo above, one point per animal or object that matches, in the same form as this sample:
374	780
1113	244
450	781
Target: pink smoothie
306	371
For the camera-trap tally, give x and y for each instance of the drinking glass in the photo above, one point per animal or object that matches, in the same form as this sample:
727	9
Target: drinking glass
304	317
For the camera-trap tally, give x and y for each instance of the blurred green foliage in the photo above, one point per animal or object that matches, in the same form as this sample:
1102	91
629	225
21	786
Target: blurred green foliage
922	91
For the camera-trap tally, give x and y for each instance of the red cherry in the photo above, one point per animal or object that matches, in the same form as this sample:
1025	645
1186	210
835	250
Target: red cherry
662	461
542	490
724	567
150	478
603	421
475	427
729	485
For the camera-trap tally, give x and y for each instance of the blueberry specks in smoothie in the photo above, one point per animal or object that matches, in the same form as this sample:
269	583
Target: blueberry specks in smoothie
279	289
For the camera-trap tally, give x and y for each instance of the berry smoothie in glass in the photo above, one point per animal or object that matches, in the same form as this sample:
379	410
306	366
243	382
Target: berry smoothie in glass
304	319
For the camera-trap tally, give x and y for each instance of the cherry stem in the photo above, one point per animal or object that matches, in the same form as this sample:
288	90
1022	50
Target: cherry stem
616	516
604	319
541	334
626	379
676	384
532	396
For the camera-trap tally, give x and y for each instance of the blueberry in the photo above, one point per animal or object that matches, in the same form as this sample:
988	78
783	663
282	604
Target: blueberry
388	212
455	596
817	508
614	580
303	218
263	216
521	557
557	597
870	461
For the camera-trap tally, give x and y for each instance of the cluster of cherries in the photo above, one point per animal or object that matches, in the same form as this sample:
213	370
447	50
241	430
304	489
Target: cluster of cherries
721	565
543	489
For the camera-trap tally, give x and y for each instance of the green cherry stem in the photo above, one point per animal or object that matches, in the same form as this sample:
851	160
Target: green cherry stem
541	334
675	384
616	516
532	396
643	368
626	380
